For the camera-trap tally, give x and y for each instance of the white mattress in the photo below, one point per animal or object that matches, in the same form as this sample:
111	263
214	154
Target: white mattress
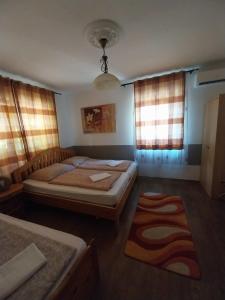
104	198
132	169
59	236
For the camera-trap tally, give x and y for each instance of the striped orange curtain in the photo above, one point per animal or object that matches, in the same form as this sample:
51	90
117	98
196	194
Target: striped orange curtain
28	123
159	112
38	117
12	152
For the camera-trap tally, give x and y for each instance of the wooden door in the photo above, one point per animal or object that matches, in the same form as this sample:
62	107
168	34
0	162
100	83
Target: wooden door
218	185
208	145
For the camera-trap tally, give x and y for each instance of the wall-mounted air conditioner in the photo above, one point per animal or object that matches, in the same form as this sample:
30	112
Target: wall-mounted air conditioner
210	76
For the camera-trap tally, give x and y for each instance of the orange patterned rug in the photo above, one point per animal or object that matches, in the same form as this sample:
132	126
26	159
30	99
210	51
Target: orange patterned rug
161	237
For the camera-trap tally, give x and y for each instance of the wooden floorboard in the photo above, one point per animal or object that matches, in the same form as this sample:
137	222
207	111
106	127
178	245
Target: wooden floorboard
123	278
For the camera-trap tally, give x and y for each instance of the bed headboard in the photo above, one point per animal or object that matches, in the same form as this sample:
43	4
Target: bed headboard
41	160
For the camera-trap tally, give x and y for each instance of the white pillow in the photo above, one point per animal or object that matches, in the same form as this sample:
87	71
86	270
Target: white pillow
75	160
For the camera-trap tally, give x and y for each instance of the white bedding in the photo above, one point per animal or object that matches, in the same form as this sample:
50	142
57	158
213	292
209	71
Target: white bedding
105	198
20	268
132	169
59	236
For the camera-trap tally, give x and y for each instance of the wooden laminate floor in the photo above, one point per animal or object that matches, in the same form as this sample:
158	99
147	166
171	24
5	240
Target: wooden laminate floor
123	278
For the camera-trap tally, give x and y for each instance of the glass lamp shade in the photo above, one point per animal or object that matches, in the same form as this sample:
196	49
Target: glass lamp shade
106	81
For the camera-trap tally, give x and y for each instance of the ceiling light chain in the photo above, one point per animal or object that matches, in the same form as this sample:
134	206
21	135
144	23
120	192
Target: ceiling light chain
104	58
104	62
104	34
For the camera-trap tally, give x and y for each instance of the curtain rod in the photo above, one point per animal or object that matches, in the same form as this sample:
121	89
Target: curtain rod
31	85
186	71
38	87
56	93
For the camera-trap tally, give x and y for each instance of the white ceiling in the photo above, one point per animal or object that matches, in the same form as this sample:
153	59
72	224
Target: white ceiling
44	39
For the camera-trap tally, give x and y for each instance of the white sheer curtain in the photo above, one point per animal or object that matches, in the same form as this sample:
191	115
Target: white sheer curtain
168	157
161	157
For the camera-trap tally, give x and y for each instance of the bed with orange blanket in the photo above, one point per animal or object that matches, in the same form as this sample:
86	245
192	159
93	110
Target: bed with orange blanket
107	203
82	178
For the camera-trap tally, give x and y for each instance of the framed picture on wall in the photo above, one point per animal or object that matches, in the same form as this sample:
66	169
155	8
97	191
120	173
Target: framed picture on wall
99	119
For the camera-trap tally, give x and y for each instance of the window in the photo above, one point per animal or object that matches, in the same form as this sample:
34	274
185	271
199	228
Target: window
159	111
38	117
28	123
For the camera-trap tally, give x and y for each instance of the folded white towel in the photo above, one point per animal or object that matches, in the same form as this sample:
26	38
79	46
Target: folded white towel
114	163
100	176
20	268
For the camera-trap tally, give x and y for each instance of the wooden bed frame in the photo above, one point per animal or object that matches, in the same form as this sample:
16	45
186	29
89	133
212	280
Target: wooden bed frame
56	155
81	281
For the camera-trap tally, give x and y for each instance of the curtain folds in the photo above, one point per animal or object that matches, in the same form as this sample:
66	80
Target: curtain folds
28	123
161	157
159	112
38	117
12	152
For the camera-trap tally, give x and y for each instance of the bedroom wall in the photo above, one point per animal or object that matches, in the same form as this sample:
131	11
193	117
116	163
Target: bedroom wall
67	123
69	117
198	96
71	132
121	143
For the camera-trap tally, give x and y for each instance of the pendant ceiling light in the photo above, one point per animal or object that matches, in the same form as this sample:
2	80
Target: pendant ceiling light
104	34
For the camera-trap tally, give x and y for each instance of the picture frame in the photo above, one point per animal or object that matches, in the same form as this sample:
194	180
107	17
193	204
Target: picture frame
99	118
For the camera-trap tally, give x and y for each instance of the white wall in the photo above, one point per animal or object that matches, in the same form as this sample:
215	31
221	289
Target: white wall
170	171
198	96
67	123
69	117
71	133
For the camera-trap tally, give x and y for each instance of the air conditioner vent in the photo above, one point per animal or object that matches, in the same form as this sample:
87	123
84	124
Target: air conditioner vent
210	76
